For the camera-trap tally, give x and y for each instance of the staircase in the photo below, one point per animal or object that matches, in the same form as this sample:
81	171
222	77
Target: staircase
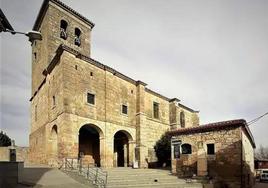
145	178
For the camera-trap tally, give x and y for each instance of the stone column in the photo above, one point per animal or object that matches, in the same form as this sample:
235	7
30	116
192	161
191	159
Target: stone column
108	152
173	115
131	152
102	152
125	155
141	136
115	159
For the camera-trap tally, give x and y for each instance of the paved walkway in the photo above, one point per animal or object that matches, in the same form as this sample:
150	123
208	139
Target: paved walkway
261	185
41	176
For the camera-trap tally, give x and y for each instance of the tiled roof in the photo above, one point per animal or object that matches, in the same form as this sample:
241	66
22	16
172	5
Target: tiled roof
63	6
215	127
260	160
209	127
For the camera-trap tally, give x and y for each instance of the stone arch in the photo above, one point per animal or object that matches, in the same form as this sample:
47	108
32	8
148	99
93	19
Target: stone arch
89	144
77	36
122	155
53	145
63	29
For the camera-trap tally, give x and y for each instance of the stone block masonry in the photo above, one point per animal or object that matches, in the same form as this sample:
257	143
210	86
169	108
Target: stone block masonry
81	108
222	151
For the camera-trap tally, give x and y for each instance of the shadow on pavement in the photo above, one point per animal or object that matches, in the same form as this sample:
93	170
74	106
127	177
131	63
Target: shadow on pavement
32	175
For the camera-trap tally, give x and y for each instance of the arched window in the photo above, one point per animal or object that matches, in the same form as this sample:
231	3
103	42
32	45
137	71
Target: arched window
77	34
186	149
63	29
182	119
54	130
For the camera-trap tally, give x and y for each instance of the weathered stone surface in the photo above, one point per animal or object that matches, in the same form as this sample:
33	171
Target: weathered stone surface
59	104
233	158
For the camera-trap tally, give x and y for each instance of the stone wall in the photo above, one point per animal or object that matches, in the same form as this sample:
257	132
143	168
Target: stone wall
224	166
21	153
50	29
191	117
248	162
59	105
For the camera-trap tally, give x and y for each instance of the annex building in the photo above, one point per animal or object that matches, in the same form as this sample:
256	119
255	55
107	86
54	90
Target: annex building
82	108
222	151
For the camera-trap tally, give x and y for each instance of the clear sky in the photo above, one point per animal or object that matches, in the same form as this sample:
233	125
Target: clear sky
211	54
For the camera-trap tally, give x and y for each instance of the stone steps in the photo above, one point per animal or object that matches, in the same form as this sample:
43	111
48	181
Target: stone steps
133	178
158	185
138	174
145	178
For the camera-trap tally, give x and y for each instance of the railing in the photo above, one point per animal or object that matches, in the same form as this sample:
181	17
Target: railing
90	171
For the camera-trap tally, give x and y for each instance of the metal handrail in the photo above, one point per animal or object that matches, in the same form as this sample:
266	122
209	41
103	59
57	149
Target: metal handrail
91	172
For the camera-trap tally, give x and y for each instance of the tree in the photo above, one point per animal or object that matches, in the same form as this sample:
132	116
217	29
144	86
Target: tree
261	152
4	139
163	150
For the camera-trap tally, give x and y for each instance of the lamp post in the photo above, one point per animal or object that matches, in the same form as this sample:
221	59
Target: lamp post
33	35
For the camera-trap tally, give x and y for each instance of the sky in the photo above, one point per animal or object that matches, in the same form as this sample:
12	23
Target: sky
211	54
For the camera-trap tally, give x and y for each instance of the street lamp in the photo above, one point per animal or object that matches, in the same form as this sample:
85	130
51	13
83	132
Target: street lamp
33	35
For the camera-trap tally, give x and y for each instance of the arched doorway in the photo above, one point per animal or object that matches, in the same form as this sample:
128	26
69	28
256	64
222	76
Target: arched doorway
54	142
121	149
89	144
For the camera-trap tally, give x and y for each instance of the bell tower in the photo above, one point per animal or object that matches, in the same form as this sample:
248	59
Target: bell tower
58	24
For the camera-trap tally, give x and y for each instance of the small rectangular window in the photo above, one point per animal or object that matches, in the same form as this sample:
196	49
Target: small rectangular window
54	100
35	56
90	98
210	149
156	110
124	109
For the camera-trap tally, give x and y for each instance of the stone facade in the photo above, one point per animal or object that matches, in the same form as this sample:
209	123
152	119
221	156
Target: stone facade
229	164
64	123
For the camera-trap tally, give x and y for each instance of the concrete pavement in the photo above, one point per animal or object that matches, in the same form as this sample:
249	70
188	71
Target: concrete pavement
261	185
42	176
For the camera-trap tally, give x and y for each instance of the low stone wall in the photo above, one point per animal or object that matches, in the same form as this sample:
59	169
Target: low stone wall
10	174
21	153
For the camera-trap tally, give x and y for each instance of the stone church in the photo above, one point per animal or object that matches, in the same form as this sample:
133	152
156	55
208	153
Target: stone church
81	108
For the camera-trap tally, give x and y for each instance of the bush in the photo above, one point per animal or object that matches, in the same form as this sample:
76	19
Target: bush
163	150
4	139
